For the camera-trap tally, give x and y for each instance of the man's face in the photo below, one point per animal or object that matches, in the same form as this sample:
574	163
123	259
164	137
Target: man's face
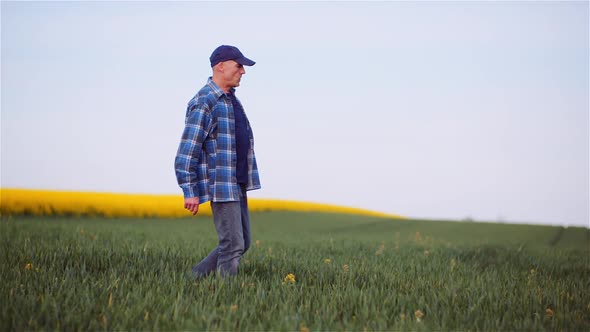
232	72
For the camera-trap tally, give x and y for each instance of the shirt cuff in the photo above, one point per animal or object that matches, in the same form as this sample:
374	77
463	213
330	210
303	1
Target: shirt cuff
190	192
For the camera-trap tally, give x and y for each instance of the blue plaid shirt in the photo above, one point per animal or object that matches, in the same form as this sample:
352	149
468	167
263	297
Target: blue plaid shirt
206	159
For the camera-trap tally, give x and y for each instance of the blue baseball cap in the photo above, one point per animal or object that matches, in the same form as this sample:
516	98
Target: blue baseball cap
227	52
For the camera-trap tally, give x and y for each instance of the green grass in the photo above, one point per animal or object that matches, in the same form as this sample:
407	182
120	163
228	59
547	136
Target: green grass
133	274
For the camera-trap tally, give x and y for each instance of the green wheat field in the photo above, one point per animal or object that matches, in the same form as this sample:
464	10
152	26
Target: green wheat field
303	272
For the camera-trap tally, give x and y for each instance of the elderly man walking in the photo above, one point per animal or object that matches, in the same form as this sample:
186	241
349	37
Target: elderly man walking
215	160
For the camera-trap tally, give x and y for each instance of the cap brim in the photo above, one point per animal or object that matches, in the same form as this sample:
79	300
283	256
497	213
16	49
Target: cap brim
245	61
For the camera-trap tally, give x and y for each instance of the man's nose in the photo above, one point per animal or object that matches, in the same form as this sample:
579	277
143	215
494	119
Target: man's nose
242	70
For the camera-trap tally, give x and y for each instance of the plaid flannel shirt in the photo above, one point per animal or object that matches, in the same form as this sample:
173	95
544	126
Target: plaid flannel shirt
205	163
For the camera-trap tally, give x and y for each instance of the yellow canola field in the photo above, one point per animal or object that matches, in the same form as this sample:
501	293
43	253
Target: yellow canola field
70	203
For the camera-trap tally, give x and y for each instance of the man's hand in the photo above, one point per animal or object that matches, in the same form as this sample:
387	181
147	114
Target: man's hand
192	204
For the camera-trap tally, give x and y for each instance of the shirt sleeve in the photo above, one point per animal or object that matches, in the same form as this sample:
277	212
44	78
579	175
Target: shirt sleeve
197	125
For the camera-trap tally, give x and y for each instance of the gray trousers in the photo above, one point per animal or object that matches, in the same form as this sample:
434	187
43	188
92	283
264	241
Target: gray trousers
232	222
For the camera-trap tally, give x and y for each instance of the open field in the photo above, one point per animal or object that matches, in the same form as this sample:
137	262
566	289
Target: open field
348	273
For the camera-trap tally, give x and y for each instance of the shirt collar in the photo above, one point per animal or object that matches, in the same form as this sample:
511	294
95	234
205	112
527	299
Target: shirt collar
217	90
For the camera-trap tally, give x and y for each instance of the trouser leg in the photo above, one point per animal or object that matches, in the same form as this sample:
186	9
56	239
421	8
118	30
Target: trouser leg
245	218
207	265
232	222
227	217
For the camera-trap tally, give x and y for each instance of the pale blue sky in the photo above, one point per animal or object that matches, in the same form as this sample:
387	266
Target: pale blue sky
435	110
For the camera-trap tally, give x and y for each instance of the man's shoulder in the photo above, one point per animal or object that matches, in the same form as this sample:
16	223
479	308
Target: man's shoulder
205	98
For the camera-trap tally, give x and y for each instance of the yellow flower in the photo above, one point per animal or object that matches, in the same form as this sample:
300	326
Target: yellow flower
146	317
346	268
549	312
381	249
290	278
418	237
327	261
303	328
426	253
257	243
233	308
419	314
47	203
29	266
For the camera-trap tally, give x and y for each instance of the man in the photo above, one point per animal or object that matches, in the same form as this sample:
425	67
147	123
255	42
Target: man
215	160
